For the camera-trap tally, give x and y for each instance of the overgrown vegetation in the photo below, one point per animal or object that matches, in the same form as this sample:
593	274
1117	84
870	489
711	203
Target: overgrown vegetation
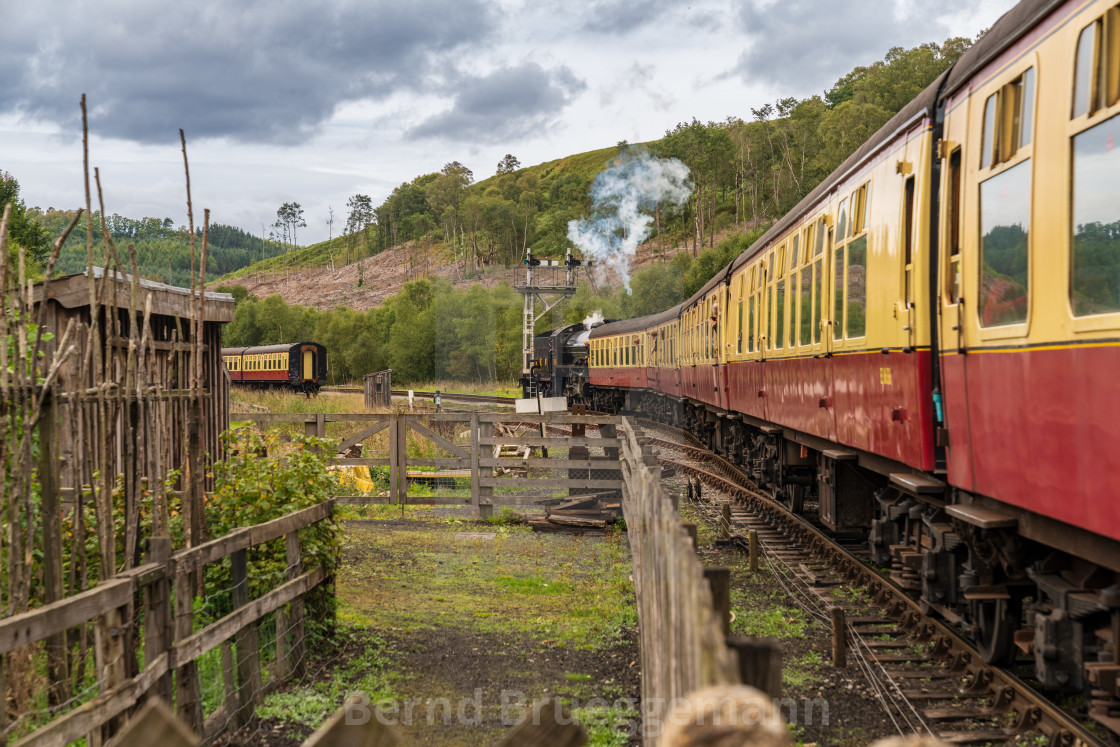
264	479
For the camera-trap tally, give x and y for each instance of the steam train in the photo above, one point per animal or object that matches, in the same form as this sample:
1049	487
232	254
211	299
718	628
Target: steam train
299	366
559	366
922	355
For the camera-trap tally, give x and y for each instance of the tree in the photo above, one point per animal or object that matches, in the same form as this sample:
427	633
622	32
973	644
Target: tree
508	164
358	221
445	195
23	229
289	217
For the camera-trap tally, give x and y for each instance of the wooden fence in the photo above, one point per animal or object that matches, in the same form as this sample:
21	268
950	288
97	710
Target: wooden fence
683	606
162	634
472	442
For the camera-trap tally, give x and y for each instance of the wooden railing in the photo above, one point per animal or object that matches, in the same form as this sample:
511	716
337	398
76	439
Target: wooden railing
169	643
473	451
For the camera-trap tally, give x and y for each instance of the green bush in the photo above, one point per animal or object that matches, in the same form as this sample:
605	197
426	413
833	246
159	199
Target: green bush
264	479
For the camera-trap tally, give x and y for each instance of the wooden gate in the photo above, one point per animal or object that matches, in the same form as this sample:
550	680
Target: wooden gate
473	461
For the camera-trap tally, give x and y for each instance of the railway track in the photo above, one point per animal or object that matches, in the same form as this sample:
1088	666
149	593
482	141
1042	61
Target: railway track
926	676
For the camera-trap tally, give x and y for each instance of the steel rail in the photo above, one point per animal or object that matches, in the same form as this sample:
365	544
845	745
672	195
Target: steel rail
1008	692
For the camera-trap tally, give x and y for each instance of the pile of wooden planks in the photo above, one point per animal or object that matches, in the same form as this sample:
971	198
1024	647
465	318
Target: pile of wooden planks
590	514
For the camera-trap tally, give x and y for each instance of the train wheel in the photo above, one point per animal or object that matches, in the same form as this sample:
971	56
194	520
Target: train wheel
995	630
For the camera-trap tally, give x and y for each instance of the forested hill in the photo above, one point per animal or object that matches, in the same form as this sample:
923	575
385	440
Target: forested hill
162	249
746	173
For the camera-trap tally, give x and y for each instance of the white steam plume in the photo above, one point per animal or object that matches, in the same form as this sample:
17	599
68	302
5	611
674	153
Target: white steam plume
635	183
595	317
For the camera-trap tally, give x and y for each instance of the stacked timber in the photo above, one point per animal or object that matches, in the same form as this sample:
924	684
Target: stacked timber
581	514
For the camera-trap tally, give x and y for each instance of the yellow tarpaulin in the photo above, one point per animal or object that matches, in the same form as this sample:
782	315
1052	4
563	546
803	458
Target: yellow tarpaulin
359	477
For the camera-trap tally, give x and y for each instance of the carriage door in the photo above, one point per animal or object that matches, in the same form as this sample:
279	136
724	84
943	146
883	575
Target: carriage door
308	364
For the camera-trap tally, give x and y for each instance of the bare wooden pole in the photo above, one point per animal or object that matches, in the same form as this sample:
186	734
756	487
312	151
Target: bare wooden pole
839	636
752	544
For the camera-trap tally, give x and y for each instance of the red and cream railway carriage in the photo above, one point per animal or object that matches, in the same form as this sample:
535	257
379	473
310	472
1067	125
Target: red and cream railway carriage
924	351
301	366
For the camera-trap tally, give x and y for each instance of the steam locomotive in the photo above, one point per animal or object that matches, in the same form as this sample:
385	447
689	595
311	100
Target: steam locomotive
559	366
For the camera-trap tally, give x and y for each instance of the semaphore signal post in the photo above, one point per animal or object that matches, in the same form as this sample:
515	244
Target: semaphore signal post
548	282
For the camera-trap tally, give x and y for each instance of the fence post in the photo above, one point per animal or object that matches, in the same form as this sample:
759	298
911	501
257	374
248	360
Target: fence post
315	426
109	659
611	454
394	465
839	637
402	456
248	652
475	455
157	613
485	430
690	530
760	663
719	579
298	662
57	670
188	699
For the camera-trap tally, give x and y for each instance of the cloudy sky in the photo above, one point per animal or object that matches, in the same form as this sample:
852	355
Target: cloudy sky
314	101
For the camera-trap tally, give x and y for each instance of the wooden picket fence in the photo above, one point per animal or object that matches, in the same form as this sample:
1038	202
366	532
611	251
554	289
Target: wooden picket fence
165	588
683	606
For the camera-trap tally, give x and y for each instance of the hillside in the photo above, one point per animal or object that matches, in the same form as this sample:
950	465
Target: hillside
383	275
742	175
163	250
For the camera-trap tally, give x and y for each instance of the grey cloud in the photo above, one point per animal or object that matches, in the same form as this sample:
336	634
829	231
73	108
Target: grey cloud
509	102
637	77
265	70
804	46
623	16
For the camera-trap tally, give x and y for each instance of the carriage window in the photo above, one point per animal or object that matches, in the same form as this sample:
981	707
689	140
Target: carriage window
842	221
989	132
1025	125
822	230
907	239
779	313
838	297
1084	73
1111	56
1095	260
793	251
953	221
740	324
1005	206
859	210
806	311
857	287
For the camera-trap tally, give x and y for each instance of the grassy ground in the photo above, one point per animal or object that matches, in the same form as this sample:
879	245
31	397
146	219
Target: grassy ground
448	610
